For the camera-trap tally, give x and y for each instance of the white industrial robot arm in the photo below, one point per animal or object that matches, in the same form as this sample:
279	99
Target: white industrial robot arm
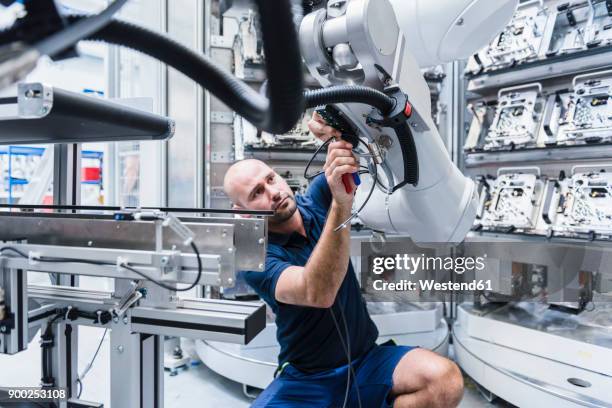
359	42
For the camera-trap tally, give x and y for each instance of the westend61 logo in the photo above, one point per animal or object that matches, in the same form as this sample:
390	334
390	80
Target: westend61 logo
412	264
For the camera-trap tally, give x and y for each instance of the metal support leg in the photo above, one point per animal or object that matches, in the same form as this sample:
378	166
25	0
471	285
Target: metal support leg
65	359
14	327
67	174
66	191
136	369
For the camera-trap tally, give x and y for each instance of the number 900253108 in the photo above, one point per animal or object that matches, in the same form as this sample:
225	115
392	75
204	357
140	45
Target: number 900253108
33	394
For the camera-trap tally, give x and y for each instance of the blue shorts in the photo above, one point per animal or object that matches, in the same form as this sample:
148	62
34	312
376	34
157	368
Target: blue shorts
374	373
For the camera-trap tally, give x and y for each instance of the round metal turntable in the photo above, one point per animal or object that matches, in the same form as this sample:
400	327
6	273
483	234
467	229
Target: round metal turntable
254	364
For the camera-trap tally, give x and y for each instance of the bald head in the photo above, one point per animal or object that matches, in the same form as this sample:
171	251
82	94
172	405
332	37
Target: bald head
241	174
253	185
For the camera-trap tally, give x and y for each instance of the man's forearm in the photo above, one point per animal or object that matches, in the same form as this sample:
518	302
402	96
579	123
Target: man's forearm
328	264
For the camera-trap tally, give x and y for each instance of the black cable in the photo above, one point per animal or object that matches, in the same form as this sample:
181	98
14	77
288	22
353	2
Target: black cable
276	115
355	214
346	347
314	156
80	388
90	364
374	183
347	352
129	268
287	100
163	285
11	249
348	342
58	42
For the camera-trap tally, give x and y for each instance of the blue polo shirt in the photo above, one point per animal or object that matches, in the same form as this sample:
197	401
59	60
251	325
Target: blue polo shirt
307	336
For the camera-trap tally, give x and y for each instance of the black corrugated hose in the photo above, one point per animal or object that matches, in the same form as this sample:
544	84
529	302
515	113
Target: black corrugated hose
239	96
287	100
350	94
285	105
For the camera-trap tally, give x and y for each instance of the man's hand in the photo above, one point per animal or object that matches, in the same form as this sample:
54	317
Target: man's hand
340	160
321	129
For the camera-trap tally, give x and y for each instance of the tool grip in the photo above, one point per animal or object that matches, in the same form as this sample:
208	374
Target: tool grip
347	183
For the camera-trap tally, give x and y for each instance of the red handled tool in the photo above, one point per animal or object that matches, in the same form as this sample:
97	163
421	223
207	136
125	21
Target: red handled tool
335	118
346	179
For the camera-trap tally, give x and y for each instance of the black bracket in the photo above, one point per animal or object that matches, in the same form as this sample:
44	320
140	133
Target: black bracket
547	118
548	196
336	119
98	317
571	18
7	324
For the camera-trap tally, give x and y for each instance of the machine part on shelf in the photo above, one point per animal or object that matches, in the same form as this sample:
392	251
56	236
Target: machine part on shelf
562	273
297	139
587	116
516	121
483	115
45	114
580	26
521	40
585	202
513	281
542	30
529	119
436	77
432	201
576	207
514	200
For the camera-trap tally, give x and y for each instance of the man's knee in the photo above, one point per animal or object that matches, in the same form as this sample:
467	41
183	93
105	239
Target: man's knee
446	383
437	377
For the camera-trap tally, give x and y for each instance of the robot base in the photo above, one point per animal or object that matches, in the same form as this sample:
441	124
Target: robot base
548	366
254	365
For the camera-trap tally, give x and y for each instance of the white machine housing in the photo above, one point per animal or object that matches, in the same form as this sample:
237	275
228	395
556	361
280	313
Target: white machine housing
448	30
359	42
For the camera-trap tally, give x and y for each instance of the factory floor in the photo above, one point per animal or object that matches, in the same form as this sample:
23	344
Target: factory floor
196	386
208	388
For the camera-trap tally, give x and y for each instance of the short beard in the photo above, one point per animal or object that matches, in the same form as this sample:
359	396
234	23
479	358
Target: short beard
284	215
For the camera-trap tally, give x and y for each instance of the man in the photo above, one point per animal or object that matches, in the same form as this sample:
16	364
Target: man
311	286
